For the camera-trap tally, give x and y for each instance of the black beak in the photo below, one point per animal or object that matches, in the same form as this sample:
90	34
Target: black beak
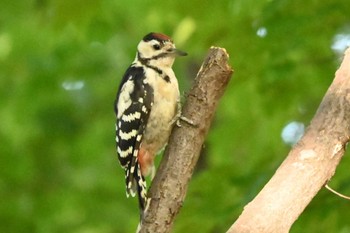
177	52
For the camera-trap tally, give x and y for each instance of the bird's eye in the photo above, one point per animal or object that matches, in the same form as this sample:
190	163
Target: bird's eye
156	46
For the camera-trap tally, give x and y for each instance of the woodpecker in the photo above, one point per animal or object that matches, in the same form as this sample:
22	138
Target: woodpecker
146	108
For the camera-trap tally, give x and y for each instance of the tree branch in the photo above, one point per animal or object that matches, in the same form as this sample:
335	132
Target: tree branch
309	165
169	186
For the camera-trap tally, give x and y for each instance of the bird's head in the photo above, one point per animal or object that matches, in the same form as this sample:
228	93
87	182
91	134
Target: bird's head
158	49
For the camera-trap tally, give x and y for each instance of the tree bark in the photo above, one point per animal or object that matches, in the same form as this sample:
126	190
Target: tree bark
309	166
169	186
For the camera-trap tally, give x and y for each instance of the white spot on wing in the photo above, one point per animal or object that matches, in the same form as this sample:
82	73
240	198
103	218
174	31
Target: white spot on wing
144	109
125	153
127	136
124	100
129	184
131	117
132	193
136	152
141	182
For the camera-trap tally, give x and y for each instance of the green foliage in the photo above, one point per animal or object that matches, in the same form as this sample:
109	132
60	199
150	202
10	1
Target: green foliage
60	66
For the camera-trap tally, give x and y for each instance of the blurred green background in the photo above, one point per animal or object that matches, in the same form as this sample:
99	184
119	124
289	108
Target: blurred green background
61	62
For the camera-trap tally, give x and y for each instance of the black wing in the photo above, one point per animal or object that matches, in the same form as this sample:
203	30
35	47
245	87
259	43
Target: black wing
132	107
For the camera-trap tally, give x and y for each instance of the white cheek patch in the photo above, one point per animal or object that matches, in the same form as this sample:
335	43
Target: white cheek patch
146	49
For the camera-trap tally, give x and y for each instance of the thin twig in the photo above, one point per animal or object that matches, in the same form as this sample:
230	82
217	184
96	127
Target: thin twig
336	193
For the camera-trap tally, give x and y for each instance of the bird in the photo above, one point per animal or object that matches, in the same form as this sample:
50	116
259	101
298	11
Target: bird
147	105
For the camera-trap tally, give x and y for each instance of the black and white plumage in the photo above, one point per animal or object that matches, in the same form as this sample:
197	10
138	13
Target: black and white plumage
146	107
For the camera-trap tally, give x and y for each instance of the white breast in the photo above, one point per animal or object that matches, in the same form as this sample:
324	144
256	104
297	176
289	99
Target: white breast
164	109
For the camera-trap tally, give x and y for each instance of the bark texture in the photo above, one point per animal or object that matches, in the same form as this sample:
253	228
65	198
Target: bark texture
169	186
310	164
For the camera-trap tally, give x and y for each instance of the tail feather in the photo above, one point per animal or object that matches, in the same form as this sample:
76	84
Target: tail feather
136	184
141	188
